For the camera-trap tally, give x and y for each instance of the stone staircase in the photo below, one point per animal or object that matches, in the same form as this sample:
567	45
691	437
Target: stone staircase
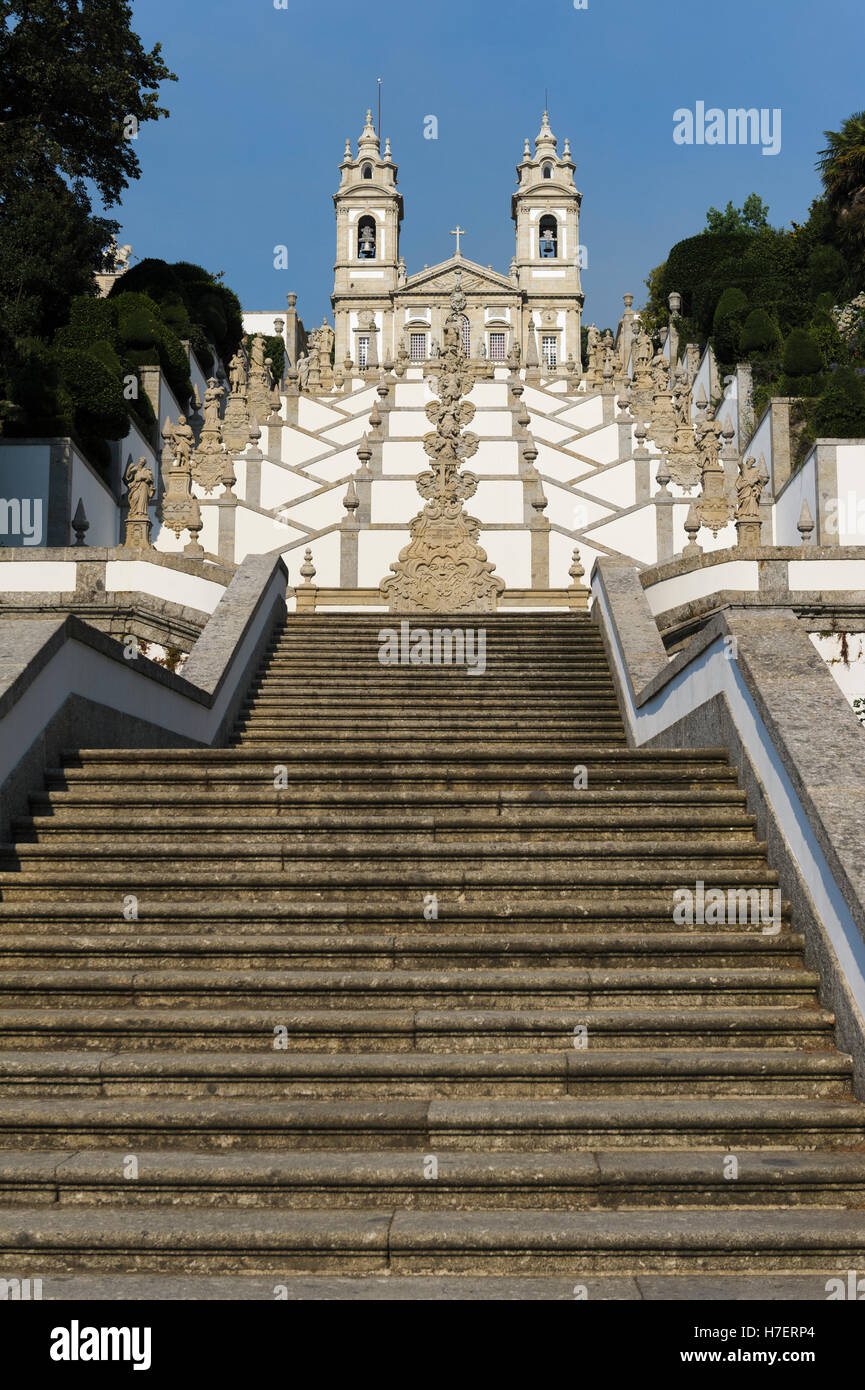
377	996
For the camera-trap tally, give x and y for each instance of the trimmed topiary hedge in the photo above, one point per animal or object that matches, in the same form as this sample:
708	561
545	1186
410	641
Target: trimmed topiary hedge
840	411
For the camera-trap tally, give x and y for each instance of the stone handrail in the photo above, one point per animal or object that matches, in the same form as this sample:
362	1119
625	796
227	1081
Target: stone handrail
64	684
751	681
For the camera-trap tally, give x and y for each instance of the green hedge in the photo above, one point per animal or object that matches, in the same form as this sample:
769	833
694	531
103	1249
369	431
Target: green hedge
802	356
146	340
840	412
760	333
194	303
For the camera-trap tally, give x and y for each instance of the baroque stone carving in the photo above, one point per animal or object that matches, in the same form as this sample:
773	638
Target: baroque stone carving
235	426
443	568
140	490
180	509
752	479
208	461
713	508
684	457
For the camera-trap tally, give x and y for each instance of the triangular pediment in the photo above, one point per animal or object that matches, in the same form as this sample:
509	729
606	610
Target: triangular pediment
443	278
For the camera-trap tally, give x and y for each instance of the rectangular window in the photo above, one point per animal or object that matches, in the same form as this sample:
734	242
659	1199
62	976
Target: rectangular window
418	347
498	347
549	347
362	352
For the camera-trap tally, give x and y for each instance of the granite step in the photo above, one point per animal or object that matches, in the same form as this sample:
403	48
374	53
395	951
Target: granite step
288	1243
431	1126
364	1030
535	988
593	1072
415	951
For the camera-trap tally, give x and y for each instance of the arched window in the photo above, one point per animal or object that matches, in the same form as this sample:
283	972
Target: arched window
548	171
366	239
466	335
549	238
366	171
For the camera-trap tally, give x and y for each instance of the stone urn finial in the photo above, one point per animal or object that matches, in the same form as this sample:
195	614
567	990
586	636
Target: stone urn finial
805	525
307	569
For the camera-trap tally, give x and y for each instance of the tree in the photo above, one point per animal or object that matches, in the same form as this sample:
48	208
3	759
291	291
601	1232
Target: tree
193	303
77	83
752	216
759	333
842	169
802	355
727	322
840	412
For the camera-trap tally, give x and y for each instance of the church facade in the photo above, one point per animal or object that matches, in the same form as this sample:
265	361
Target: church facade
379	310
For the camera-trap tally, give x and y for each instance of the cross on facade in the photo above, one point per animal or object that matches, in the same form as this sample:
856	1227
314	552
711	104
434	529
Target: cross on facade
459	231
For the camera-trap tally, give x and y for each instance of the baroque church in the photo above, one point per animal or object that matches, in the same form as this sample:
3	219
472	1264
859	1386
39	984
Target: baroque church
534	310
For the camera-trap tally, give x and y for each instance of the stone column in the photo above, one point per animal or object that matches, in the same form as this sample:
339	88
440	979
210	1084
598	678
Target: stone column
227	505
745	402
348	534
291	329
782	453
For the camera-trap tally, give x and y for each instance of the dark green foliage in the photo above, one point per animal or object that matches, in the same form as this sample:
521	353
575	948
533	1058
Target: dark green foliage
801	354
145	339
752	216
760	333
199	308
73	73
727	322
827	272
840	412
274	348
90	395
49	246
842	169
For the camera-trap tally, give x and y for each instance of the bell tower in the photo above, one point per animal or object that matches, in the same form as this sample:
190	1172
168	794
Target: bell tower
369	212
546	210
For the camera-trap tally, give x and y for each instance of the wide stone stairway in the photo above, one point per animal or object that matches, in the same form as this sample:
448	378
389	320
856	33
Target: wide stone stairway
383	1000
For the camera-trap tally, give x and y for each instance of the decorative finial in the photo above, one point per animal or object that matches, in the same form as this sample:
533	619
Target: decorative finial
578	591
364	453
307	569
80	524
663	476
692	526
805	526
351	501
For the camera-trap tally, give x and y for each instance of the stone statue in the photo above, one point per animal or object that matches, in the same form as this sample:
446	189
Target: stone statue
435	350
257	354
303	371
182	441
325	339
139	489
660	371
212	397
682	402
710	438
749	489
641	350
237	373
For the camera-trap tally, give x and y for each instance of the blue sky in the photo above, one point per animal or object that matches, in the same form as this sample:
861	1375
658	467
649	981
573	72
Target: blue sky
266	98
